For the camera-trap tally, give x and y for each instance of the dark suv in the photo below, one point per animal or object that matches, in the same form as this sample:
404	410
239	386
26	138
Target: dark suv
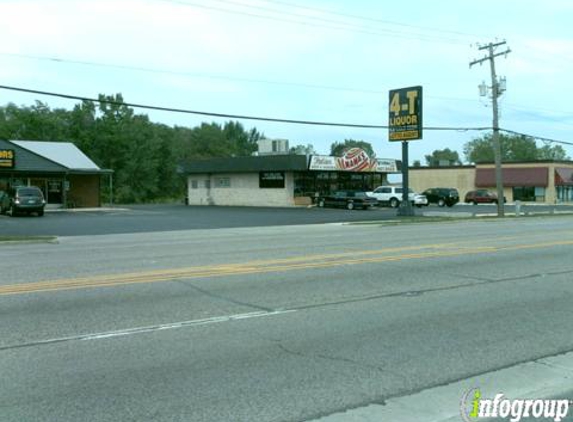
442	196
27	199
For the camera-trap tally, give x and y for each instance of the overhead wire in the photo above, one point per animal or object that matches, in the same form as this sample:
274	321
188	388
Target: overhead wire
352	28
272	119
374	20
227	115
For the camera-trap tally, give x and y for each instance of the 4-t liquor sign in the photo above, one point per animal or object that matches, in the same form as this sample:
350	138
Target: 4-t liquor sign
405	124
405	114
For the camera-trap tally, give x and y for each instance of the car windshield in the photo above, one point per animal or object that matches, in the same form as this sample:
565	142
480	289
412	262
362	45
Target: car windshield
29	192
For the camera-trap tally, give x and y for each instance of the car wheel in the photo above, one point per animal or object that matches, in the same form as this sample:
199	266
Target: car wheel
321	203
474	202
419	205
394	203
494	201
441	202
40	213
12	211
350	206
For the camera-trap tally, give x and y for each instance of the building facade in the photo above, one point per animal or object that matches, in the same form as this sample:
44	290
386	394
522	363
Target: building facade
547	182
66	176
281	180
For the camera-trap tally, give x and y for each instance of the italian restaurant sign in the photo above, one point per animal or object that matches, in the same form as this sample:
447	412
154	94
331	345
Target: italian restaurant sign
353	160
7	157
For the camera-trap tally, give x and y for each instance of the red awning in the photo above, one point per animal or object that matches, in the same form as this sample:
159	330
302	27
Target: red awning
563	176
526	176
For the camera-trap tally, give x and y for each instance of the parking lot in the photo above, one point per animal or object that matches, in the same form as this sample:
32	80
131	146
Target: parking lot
151	218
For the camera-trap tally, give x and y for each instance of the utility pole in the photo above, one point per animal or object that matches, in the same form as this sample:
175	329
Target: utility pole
496	92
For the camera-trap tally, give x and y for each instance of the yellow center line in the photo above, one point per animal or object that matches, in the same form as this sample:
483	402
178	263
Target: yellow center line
278	265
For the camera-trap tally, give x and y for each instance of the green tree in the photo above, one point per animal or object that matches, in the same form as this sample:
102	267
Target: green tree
143	155
242	142
513	148
416	163
300	149
552	152
337	148
440	156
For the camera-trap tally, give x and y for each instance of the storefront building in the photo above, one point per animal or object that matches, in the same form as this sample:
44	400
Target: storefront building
66	176
540	181
282	180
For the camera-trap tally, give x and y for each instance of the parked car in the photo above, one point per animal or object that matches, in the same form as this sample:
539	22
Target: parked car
442	196
481	196
26	199
347	199
392	196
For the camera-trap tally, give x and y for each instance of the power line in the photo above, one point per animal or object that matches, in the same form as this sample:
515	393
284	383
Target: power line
357	29
269	119
539	138
216	77
191	74
226	115
331	21
374	20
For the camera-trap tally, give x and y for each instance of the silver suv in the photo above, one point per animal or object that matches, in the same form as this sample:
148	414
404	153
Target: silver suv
392	195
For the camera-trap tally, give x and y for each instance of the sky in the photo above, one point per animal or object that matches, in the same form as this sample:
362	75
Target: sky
318	60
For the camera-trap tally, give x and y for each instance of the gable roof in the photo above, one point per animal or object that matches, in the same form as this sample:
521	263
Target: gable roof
65	154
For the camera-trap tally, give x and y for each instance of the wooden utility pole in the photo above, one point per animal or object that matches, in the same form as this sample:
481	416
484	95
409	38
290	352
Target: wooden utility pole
495	93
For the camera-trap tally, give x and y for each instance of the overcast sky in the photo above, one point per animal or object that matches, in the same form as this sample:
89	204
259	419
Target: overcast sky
315	60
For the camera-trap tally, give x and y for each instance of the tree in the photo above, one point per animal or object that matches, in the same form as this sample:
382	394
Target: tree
337	149
303	150
552	152
416	163
242	142
513	148
143	155
441	156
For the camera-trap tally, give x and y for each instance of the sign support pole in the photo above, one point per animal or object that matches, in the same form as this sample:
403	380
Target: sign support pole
405	209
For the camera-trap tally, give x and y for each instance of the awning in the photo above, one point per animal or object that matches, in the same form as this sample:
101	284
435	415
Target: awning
563	176
526	176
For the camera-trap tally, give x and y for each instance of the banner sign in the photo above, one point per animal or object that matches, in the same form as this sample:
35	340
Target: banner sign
405	114
353	160
7	158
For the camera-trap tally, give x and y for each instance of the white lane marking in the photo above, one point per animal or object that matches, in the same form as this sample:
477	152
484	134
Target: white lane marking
152	328
180	324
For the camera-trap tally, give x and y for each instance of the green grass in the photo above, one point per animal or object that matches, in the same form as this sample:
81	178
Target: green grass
36	239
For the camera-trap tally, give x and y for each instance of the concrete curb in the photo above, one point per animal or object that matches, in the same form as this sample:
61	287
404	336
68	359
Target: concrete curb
546	378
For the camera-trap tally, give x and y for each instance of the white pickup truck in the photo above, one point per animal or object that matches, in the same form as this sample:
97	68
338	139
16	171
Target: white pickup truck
392	195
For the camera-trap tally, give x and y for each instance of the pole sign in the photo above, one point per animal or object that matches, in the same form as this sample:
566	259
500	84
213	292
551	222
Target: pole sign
405	114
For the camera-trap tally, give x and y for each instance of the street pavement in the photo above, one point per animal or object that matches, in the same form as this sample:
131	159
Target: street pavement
161	217
278	323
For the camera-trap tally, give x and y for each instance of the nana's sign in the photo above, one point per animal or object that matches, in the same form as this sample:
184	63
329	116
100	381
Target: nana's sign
7	158
354	160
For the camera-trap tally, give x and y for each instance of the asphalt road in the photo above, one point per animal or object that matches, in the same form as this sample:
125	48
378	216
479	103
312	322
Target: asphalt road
153	218
274	323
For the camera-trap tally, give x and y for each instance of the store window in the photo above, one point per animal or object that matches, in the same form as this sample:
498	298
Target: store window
271	180
223	182
564	193
304	184
528	193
